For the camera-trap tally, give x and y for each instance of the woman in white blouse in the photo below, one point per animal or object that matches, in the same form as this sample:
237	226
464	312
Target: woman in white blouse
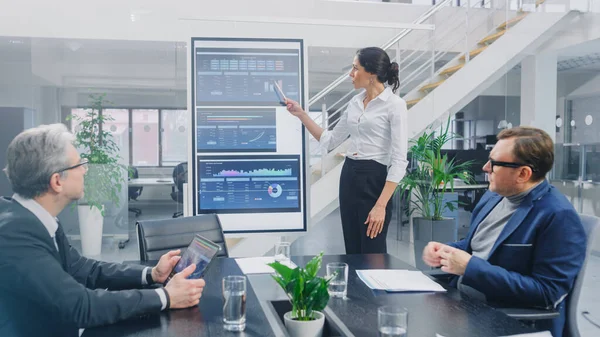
375	161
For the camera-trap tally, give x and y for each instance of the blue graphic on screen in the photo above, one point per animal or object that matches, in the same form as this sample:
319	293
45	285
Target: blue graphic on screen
244	77
252	184
236	130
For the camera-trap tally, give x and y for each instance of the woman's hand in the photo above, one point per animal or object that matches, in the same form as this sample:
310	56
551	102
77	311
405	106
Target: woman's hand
375	221
294	108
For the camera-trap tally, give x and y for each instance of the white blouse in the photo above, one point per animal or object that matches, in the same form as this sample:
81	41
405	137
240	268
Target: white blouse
378	132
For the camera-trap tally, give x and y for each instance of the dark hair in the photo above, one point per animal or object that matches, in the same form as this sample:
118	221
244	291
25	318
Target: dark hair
534	147
376	61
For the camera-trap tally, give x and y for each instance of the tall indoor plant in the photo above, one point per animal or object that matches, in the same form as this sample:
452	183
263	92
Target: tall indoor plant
105	175
432	175
308	295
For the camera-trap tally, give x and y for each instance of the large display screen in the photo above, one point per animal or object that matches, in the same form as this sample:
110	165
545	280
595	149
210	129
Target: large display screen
261	184
248	152
236	130
244	76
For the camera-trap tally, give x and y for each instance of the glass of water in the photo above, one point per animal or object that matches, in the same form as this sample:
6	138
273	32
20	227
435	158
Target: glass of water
234	303
392	321
282	252
338	272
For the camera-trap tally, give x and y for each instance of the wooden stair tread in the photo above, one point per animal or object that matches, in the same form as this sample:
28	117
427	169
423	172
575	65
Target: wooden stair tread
512	21
473	53
413	102
452	70
493	37
431	86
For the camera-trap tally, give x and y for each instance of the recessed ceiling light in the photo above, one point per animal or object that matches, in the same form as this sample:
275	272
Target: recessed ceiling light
16	41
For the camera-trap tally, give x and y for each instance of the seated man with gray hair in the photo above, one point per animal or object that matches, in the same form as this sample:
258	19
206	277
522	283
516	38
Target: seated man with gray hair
46	287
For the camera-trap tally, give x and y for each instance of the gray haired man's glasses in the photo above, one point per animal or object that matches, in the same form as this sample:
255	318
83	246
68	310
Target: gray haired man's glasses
83	162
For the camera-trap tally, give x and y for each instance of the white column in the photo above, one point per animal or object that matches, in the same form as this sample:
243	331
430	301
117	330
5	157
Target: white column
538	92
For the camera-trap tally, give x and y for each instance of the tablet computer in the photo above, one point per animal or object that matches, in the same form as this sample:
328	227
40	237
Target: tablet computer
200	252
279	93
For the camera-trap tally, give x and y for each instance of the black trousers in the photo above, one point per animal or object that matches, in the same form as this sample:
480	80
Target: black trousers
361	183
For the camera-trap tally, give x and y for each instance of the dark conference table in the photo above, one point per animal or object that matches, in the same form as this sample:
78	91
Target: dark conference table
450	314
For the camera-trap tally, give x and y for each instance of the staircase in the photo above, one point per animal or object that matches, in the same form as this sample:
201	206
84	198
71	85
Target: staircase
481	46
448	79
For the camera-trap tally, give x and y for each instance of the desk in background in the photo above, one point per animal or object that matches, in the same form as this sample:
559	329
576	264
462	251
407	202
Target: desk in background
449	314
142	182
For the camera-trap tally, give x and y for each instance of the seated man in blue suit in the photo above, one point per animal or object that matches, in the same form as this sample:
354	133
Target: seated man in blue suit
526	243
46	287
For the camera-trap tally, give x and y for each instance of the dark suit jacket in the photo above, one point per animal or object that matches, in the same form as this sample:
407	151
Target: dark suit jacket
44	293
535	259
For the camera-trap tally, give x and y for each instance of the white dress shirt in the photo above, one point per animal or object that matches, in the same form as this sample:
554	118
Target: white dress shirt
378	132
51	225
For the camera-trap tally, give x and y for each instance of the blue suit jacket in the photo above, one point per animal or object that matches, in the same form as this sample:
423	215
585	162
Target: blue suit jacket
535	259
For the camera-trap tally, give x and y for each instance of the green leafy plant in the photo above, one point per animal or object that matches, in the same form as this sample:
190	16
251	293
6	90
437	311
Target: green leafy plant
105	175
434	174
307	291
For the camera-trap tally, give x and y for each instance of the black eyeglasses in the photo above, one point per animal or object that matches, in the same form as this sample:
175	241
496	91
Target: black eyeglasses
509	164
83	162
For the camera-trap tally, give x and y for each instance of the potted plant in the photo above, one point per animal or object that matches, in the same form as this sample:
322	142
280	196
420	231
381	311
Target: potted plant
104	177
432	175
308	295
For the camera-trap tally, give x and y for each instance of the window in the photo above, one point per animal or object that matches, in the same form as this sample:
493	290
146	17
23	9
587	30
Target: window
146	137
174	136
119	129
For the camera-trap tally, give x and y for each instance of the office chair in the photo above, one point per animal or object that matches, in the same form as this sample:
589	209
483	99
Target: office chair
156	237
179	178
134	192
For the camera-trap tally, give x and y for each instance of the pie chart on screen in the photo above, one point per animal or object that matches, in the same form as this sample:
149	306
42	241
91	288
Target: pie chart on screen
275	190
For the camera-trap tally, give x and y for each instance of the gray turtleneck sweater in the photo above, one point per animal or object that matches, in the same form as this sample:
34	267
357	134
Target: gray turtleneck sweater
489	230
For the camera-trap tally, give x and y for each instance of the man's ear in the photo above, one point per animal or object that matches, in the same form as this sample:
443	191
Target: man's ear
525	174
56	184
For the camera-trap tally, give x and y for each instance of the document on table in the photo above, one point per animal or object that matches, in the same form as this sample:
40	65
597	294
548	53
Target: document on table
532	334
398	280
258	265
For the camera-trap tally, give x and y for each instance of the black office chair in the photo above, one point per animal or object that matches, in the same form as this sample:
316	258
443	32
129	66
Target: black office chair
134	192
179	178
156	237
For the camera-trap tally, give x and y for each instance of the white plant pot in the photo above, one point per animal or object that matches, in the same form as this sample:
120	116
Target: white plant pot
305	328
90	228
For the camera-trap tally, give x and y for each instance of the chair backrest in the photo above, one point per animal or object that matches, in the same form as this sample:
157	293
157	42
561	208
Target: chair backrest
134	192
156	237
590	225
180	175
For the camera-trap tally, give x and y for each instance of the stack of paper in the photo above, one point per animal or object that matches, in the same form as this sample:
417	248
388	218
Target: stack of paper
258	265
398	280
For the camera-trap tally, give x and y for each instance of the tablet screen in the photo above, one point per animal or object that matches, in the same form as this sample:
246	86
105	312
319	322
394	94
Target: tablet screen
200	252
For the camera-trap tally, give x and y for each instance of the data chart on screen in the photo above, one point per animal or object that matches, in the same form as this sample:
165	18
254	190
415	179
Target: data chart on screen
245	76
236	130
250	184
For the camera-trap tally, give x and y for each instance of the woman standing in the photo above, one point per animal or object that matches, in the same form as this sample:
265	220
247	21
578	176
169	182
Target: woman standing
375	161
